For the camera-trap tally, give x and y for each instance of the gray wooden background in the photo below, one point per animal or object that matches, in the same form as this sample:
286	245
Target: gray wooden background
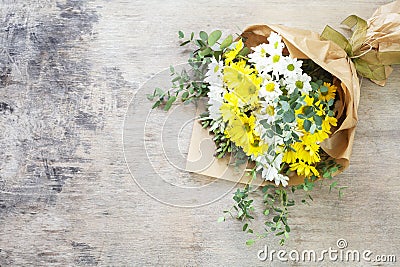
68	72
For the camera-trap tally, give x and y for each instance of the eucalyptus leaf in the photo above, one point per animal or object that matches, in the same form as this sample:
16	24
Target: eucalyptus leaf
205	52
244	51
318	120
227	42
307	125
169	103
204	36
289	116
214	37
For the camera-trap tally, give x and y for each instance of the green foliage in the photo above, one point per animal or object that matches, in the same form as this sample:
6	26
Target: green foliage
189	85
277	203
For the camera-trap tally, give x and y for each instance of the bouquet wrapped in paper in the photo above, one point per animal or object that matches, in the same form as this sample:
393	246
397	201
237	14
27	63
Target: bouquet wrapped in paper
282	102
342	87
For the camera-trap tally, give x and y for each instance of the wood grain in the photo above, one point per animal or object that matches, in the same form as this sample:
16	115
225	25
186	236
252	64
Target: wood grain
68	72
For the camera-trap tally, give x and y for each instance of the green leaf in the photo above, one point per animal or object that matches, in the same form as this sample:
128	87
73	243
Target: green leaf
185	43
301	116
156	104
323	89
278	209
244	51
327	175
287	235
341	193
227	42
250	242
169	103
203	36
221	219
245	226
214	37
269	224
318	120
177	78
333	185
314	86
185	95
200	43
205	52
266	212
181	34
307	125
313	128
309	111
289	116
285	105
270	133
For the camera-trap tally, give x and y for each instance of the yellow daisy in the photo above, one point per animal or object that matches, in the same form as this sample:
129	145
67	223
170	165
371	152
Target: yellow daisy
303	168
256	148
327	123
230	108
289	156
240	80
328	92
231	55
306	150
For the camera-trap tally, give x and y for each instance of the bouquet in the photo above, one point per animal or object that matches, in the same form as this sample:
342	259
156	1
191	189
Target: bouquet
283	103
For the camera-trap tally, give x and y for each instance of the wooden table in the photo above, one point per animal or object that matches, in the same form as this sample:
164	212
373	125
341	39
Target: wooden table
68	72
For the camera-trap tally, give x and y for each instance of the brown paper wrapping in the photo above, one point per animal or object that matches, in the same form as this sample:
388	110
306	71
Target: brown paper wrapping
383	36
304	44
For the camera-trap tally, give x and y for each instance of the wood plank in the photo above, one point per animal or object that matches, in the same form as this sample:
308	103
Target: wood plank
68	72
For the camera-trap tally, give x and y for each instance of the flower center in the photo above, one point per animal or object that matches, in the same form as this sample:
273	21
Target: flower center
247	127
299	84
270	110
270	87
290	67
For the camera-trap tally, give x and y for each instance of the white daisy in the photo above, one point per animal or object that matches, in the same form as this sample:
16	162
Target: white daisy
291	67
259	57
275	44
283	179
216	98
300	81
214	74
270	167
270	90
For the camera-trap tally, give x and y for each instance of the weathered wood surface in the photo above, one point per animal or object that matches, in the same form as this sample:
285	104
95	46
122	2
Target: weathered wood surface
68	70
